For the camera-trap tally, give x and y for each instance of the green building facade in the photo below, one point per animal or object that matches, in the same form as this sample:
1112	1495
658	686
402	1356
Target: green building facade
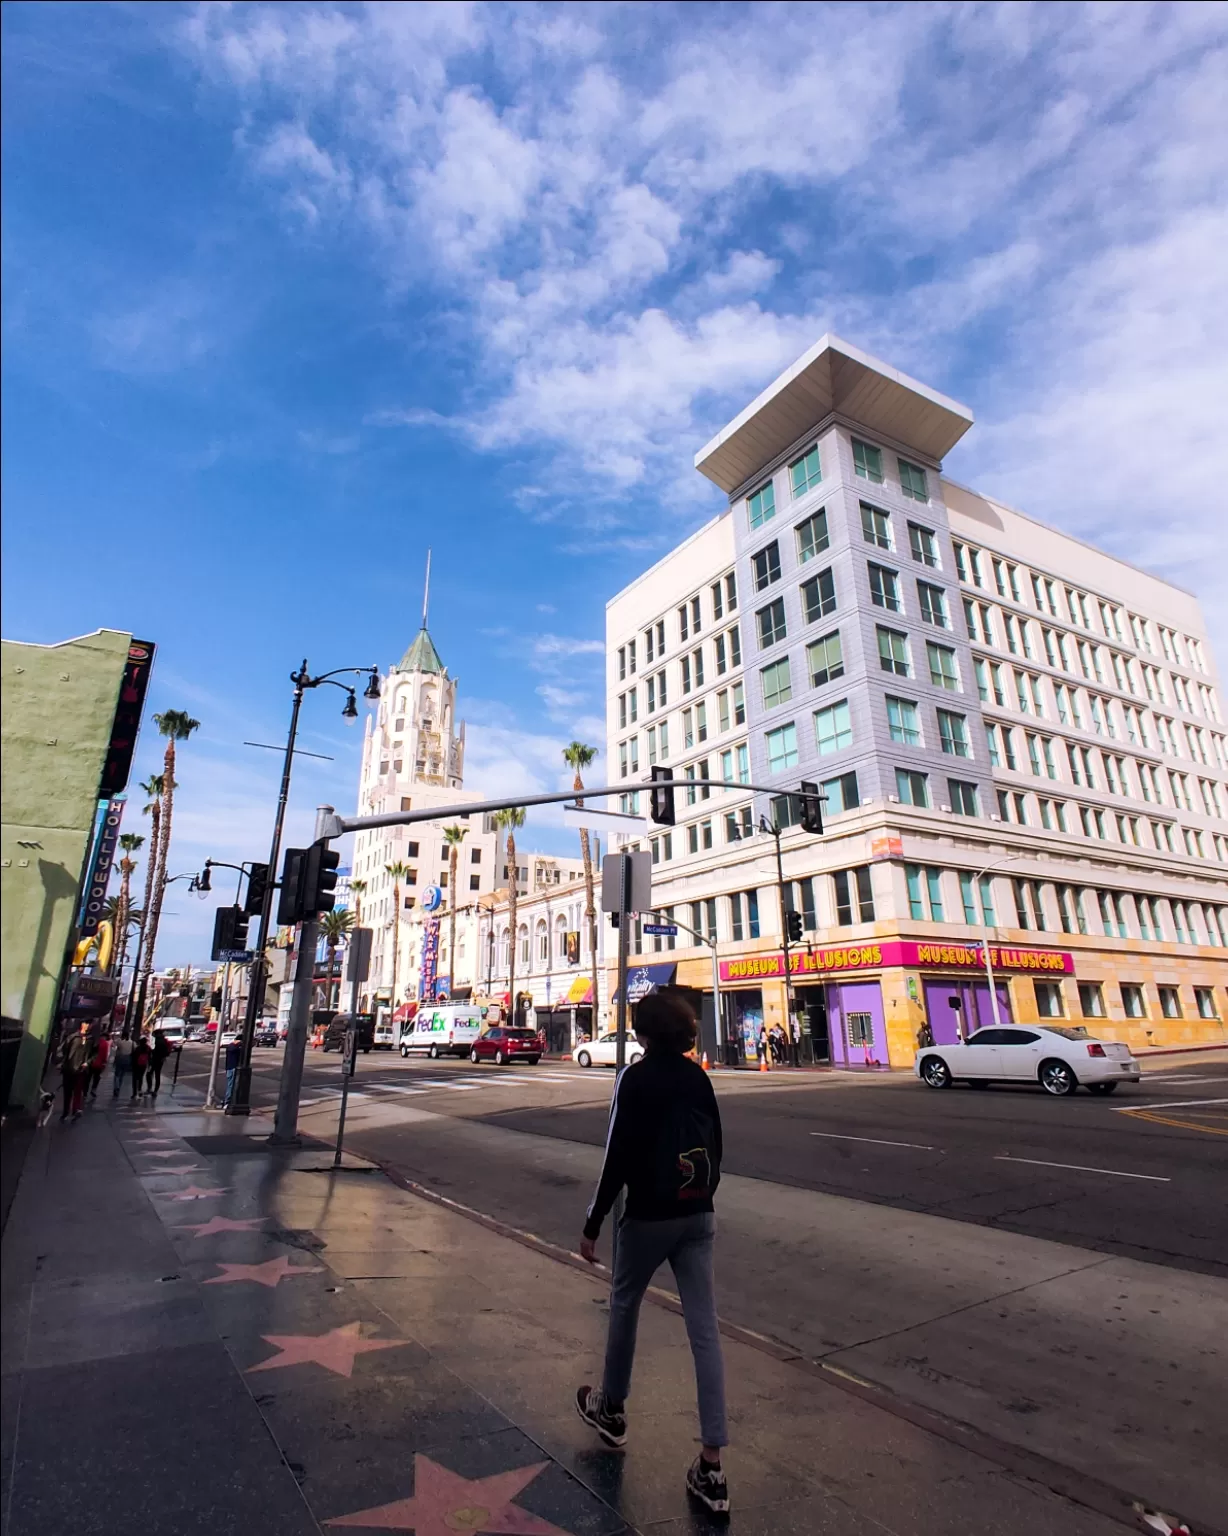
59	715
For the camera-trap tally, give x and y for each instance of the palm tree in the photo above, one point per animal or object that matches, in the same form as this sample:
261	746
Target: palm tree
397	870
334	925
453	837
153	809
124	916
358	889
175	725
507	821
577	757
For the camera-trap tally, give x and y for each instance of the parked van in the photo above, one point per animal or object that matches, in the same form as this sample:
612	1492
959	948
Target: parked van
447	1030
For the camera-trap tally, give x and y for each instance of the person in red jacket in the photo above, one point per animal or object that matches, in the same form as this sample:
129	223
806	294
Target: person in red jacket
664	1145
98	1063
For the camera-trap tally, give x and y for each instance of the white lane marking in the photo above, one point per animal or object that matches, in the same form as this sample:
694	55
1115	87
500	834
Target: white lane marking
1162	1081
1115	1173
873	1140
1129	1109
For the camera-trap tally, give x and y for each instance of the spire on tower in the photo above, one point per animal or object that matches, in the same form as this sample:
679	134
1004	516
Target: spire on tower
426	589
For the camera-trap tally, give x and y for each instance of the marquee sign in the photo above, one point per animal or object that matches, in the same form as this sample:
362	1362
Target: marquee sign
872	956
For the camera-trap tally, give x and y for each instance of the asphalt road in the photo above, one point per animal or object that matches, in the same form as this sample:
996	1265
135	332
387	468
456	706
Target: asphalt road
1141	1174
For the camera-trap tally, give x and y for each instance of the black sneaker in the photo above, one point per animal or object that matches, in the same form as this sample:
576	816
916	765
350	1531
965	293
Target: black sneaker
611	1426
707	1483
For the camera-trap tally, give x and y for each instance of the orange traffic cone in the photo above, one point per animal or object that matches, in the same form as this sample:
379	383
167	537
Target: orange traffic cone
704	1063
763	1066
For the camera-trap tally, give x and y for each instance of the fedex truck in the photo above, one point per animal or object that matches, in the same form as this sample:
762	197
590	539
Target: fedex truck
447	1029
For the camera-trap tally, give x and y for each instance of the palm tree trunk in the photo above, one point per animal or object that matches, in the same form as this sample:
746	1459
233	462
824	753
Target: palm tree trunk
144	948
163	842
396	938
511	913
590	913
452	869
121	916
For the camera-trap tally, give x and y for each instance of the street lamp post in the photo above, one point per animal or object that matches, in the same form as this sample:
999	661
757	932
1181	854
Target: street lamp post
711	941
205	884
240	1103
1014	858
773	829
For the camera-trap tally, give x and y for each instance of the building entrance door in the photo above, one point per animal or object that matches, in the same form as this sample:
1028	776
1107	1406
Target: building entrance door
812	1005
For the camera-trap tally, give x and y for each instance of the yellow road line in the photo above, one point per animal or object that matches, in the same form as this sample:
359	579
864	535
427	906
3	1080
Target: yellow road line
1182	1125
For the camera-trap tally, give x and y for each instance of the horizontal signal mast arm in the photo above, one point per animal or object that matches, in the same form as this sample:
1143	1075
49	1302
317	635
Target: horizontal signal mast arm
333	825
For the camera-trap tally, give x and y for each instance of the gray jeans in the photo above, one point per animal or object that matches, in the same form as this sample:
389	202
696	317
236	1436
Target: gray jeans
643	1246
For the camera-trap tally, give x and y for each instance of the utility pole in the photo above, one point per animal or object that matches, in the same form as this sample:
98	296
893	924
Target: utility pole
285	1123
786	907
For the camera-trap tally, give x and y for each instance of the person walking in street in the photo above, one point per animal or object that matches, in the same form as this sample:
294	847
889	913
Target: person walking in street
664	1146
157	1057
234	1060
98	1063
140	1062
123	1063
74	1064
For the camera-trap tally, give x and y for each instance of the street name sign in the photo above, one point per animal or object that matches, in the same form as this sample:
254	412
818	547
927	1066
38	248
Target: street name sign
662	930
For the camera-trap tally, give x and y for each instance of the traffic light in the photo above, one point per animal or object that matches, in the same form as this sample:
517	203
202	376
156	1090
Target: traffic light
229	931
308	880
257	885
812	807
290	897
661	797
319	879
793	927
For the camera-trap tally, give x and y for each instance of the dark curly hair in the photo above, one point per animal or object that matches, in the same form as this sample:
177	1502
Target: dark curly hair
665	1021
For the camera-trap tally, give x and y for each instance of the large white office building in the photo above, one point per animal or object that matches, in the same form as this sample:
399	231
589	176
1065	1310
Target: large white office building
1020	740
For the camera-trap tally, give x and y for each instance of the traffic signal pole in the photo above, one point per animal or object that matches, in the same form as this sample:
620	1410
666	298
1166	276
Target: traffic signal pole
285	1122
786	908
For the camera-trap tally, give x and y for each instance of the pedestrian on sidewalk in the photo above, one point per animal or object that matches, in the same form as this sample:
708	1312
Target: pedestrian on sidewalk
157	1057
98	1063
74	1063
123	1063
664	1146
234	1060
140	1062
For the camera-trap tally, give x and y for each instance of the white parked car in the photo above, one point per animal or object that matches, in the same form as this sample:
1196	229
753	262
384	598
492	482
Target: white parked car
1059	1057
603	1052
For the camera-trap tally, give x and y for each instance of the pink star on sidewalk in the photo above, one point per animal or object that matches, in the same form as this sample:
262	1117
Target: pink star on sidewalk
187	1168
335	1350
268	1273
223	1224
443	1504
175	1153
194	1192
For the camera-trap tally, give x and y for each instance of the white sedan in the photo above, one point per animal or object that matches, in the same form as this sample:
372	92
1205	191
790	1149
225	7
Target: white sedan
603	1052
1058	1057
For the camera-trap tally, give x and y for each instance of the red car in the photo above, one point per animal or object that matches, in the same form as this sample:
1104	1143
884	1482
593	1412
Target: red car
502	1044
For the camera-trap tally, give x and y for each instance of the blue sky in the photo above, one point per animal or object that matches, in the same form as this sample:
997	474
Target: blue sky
292	292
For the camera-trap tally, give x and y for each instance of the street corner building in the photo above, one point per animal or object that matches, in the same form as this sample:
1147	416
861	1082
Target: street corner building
1019	739
72	712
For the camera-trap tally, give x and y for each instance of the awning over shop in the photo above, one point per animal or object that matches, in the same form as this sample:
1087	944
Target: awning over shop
580	991
404	1013
643	979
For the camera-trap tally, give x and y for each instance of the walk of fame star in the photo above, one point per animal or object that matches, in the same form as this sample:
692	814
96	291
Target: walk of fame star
175	1153
335	1350
444	1504
268	1273
223	1224
195	1192
187	1168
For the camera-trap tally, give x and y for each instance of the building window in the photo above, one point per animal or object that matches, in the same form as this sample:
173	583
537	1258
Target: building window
786	811
867	462
943	673
933	605
854	898
1170	1002
924	892
885	589
1133	1000
752	914
809	911
859	1028
740	825
819	595
1204	1001
777	687
963	797
904	722
761	507
875	526
782	748
912	788
953	734
893	652
968	895
812	536
738	694
1091	1000
771	623
1048	999
1070	909
841	793
475	882
766	565
825	659
923	544
833	729
912	481
805	472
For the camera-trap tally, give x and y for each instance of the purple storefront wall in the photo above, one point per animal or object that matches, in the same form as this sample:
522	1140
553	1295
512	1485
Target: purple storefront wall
975	1008
844	998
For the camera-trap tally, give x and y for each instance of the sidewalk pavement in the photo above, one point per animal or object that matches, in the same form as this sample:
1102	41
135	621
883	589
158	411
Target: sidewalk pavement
204	1335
